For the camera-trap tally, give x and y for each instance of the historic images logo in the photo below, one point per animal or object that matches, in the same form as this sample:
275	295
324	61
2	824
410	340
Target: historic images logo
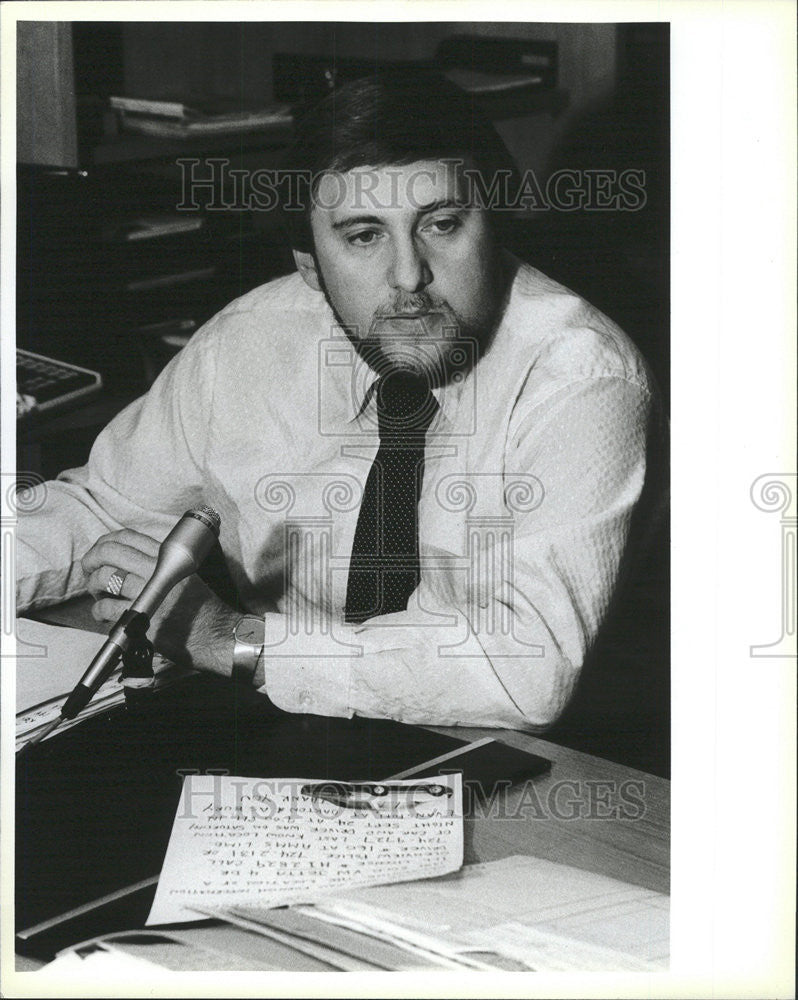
213	184
20	493
775	493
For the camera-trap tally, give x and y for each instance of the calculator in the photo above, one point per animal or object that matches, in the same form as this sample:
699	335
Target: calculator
45	385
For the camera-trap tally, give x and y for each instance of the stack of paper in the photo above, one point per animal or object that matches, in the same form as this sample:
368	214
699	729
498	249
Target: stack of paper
368	876
520	913
548	916
177	120
50	662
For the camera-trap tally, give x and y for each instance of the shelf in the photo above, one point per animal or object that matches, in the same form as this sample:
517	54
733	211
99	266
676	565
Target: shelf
127	147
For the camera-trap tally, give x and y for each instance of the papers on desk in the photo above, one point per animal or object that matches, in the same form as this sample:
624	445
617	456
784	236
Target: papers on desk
268	843
544	916
518	914
377	882
50	662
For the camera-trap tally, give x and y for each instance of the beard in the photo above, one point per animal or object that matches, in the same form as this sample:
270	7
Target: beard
420	335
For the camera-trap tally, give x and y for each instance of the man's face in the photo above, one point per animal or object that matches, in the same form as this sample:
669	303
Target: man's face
409	269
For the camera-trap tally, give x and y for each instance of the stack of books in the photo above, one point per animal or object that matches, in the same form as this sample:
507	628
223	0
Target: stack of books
201	117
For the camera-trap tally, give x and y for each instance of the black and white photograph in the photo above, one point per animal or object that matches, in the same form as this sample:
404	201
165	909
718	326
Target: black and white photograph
341	594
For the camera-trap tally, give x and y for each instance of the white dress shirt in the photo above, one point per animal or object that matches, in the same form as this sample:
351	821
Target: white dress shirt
534	464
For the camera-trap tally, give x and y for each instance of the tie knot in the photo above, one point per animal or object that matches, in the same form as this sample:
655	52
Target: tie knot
405	404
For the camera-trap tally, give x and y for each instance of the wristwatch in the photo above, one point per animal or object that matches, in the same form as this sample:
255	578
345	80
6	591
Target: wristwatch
249	637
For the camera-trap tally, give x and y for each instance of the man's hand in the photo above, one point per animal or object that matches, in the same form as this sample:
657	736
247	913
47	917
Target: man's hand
192	625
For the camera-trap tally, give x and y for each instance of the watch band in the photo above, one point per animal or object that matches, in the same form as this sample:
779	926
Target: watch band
248	642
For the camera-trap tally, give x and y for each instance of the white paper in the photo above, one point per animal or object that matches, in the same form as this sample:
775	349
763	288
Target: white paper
552	917
101	962
63	655
272	842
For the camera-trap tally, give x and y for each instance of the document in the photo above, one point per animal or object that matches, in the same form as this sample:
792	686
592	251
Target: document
252	841
50	660
545	916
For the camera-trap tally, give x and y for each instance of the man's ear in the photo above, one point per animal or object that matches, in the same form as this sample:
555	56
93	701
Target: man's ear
306	265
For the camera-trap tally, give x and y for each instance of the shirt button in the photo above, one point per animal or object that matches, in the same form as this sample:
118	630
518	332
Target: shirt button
305	699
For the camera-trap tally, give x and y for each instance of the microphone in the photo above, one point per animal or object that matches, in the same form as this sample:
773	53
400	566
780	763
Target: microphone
180	555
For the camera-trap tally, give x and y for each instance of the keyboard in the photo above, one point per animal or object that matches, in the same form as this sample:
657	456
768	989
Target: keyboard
45	385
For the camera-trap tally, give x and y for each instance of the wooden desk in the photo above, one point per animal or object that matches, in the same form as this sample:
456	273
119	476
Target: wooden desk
586	812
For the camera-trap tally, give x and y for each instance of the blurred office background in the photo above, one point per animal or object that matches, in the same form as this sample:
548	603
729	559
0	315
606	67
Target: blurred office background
84	288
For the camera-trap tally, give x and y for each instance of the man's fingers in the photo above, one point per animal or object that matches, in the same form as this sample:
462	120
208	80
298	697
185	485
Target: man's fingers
108	609
117	566
130	538
99	581
136	539
110	551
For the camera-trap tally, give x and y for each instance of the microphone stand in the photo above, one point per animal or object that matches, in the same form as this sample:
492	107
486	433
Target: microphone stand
128	636
138	677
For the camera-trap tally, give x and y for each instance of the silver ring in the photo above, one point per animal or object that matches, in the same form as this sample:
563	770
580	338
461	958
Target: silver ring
115	583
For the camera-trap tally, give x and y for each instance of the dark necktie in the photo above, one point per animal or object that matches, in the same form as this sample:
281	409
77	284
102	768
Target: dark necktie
384	568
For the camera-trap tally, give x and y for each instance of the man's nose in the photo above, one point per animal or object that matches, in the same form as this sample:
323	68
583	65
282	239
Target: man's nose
409	269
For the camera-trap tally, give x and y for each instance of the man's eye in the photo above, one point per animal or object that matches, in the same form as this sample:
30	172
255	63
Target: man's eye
364	238
444	226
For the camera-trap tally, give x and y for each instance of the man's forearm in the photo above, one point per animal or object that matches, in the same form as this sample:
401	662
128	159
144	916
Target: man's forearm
208	645
434	675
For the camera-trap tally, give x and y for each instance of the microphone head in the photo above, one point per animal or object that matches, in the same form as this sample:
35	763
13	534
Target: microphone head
208	516
181	554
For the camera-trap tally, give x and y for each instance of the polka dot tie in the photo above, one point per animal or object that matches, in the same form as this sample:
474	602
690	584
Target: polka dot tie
384	568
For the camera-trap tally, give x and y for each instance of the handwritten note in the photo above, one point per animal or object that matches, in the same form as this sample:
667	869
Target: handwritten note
269	843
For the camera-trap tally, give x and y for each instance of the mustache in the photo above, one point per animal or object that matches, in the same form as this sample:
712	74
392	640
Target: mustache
409	304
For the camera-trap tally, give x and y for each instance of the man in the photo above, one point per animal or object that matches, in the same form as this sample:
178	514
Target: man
427	457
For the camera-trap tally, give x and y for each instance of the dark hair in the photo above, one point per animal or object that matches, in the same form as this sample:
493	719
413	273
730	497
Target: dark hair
392	119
